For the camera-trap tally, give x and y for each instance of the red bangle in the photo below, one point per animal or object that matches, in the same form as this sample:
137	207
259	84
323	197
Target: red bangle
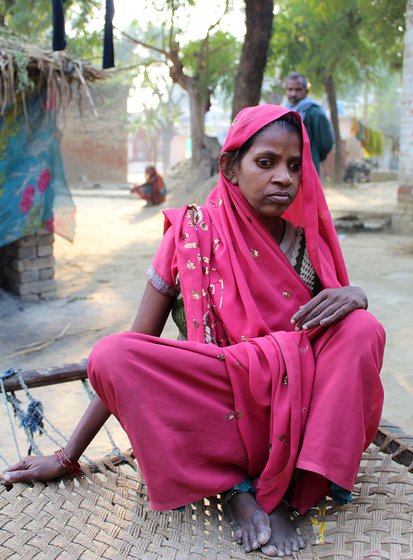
69	465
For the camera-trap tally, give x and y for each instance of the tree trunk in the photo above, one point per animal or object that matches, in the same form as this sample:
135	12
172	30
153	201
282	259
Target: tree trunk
197	112
248	83
168	132
332	103
196	105
406	130
402	220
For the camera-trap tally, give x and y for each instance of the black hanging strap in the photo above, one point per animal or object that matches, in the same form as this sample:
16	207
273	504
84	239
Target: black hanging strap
108	50
58	17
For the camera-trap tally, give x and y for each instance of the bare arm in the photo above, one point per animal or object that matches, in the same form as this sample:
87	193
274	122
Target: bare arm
150	319
152	313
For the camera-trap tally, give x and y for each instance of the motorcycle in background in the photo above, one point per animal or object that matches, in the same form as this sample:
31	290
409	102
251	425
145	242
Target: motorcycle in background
358	171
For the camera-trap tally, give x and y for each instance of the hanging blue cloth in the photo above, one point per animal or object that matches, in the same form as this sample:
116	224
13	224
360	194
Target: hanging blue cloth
33	188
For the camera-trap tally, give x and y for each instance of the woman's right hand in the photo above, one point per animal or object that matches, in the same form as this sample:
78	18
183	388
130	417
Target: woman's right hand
37	467
34	467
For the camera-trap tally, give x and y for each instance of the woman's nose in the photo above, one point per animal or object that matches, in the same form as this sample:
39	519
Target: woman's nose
282	176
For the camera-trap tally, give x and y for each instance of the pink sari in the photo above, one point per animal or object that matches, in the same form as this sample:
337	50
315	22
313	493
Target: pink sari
260	399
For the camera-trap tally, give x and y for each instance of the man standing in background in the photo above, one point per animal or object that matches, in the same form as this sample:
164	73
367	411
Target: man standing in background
315	120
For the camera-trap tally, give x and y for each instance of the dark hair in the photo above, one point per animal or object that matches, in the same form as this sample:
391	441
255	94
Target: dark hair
297	76
288	121
150	169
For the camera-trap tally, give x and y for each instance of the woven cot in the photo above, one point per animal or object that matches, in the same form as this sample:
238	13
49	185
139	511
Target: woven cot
105	514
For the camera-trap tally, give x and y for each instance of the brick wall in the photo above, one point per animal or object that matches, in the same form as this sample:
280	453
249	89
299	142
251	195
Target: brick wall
95	149
27	267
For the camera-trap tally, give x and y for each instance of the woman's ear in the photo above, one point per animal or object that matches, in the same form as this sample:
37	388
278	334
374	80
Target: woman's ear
226	163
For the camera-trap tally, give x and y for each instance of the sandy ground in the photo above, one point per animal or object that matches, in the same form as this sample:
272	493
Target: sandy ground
100	278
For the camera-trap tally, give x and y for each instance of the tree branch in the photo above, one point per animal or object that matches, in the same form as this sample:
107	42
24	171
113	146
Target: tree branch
211	27
142	43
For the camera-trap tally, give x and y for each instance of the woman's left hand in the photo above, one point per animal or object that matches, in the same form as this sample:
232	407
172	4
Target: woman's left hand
329	306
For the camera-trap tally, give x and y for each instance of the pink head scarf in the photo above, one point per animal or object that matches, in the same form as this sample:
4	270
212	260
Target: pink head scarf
235	280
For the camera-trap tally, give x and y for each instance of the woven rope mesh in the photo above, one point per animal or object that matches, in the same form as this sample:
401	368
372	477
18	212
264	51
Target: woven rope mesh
106	515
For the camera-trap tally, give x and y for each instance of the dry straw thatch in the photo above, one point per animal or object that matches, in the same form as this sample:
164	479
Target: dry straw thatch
27	69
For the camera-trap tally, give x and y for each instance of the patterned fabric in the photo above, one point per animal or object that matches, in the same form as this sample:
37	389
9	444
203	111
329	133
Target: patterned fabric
159	284
293	246
220	247
33	188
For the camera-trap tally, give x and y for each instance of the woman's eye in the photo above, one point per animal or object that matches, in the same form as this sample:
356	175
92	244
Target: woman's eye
264	163
295	166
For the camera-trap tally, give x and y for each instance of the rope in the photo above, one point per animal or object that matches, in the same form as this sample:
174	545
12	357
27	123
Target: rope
5	375
90	393
33	420
2	457
28	422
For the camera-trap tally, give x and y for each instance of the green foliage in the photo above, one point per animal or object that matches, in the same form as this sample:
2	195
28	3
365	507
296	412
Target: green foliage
213	61
346	39
383	28
26	17
33	20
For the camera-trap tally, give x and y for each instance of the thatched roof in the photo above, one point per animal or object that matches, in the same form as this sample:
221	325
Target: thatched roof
26	69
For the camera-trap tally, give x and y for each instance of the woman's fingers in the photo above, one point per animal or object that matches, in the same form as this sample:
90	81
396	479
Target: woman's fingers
329	306
34	468
17	476
314	308
305	309
322	317
21	465
18	472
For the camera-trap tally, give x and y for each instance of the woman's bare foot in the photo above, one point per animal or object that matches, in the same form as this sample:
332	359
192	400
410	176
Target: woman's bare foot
250	523
284	539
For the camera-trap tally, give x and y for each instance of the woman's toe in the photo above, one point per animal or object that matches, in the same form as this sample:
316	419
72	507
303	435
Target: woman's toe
269	550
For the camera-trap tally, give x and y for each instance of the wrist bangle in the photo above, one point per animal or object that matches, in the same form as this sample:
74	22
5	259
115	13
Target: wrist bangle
69	465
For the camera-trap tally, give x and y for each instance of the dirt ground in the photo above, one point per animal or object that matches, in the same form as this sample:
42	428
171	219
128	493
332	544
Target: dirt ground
100	278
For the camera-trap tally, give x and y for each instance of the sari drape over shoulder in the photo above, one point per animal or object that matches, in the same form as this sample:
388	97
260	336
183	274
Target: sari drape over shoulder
246	394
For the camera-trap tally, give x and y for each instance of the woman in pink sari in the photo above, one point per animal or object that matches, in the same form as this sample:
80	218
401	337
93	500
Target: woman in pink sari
272	392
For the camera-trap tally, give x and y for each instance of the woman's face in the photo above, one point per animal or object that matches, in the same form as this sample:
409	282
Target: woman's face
269	174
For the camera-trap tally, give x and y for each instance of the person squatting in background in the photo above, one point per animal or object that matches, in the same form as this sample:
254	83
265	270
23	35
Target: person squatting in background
153	190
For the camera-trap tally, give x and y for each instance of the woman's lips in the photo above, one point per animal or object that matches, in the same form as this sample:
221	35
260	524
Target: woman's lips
280	197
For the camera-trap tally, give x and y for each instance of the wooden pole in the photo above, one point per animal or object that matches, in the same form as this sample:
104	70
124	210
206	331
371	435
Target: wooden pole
47	376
